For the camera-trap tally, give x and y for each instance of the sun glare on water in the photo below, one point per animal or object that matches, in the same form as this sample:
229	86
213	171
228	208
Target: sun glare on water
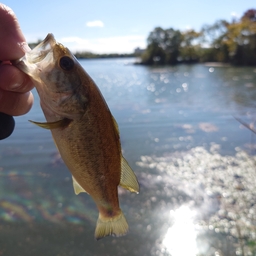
180	238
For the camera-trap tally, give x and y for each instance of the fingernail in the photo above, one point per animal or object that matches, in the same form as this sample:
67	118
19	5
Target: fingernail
15	86
24	46
18	84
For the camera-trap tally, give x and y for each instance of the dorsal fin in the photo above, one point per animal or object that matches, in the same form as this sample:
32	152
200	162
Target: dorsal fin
116	125
128	179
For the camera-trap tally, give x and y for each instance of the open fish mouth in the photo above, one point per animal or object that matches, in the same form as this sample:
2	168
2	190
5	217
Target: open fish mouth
41	50
34	59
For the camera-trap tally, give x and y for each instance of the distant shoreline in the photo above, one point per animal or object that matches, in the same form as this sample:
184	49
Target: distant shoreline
207	64
103	56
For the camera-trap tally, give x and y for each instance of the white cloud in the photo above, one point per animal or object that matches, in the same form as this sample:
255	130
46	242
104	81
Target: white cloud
117	44
235	15
95	23
74	39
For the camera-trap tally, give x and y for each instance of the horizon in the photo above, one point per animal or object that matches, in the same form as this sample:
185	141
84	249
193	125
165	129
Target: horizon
115	27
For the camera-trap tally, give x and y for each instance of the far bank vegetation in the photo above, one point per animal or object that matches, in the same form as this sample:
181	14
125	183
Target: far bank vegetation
228	42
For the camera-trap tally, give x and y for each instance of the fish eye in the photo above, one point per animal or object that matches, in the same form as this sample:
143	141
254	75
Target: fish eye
66	63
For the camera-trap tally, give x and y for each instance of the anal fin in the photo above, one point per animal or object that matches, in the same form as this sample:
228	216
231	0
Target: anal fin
128	179
77	188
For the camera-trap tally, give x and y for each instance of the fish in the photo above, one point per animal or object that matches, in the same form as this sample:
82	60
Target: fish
83	129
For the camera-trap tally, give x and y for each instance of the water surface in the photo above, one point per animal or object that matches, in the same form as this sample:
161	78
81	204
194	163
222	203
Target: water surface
195	163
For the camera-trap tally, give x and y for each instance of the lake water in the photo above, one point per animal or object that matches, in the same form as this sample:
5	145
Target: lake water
194	160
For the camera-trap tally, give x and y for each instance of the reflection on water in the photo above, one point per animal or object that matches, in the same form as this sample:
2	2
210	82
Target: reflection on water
178	242
222	190
23	199
195	163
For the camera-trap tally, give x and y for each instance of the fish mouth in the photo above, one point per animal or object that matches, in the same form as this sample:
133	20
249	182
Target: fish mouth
41	50
37	58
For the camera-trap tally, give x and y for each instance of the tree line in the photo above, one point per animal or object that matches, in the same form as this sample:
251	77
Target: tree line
91	55
229	42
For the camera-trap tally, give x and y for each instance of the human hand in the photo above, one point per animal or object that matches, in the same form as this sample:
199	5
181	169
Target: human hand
15	96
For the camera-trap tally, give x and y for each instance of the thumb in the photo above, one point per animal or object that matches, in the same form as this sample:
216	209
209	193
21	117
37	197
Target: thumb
12	42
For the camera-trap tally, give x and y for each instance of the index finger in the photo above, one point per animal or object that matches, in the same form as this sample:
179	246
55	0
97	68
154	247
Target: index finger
12	42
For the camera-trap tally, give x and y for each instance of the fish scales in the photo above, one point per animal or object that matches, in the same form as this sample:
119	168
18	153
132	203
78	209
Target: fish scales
90	141
83	129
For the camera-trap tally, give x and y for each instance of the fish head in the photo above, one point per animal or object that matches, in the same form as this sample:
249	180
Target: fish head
59	78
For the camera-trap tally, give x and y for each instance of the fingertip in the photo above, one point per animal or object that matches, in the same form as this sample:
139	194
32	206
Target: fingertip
24	46
6	9
12	79
30	102
11	33
23	104
15	104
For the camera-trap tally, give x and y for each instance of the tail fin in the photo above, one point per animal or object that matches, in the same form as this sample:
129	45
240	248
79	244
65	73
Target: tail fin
116	226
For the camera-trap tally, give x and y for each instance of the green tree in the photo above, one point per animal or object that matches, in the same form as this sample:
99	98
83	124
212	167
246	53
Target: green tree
154	53
233	42
214	41
241	39
163	47
190	46
172	45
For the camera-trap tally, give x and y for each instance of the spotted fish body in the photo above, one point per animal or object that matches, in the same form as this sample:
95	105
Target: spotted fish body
83	129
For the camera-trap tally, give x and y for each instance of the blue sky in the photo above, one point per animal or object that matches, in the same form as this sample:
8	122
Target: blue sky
107	26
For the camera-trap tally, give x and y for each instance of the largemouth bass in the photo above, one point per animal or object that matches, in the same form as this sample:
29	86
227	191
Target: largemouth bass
84	131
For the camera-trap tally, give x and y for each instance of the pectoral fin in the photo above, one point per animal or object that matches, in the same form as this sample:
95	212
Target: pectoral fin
53	125
77	188
128	179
